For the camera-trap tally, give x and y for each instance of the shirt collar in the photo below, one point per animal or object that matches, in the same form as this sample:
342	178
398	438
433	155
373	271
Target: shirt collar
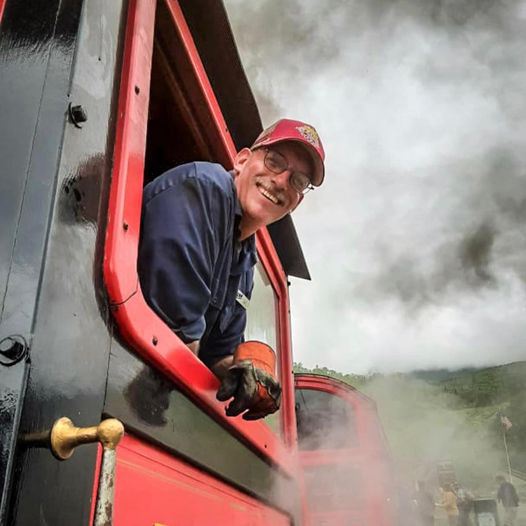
237	204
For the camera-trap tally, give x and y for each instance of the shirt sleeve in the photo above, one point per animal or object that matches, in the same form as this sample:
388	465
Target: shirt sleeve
183	228
228	331
224	342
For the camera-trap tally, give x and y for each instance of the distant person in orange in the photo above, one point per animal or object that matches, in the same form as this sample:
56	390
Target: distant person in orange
449	503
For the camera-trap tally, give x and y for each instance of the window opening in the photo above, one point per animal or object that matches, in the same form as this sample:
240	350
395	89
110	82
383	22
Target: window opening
143	151
324	420
175	132
261	313
262	325
178	132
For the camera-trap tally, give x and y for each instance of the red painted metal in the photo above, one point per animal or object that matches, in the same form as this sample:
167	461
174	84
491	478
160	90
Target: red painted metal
2	6
368	460
153	487
138	324
331	385
225	144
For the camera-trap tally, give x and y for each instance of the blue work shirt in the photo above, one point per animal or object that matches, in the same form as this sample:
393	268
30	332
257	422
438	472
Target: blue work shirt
191	263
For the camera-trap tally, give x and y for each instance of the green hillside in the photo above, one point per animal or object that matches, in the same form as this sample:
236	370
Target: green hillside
488	386
355	380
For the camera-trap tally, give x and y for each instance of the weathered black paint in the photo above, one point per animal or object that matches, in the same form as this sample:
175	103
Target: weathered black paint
287	245
13	372
57	176
24	56
12	389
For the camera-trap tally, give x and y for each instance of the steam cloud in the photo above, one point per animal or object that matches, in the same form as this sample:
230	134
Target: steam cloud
416	242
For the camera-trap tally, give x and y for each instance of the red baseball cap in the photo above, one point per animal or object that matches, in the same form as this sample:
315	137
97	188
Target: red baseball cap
305	134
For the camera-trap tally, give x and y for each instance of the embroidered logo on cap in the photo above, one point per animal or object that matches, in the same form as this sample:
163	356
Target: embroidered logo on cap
309	134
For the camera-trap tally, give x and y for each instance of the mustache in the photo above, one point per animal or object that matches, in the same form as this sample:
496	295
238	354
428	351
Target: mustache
280	194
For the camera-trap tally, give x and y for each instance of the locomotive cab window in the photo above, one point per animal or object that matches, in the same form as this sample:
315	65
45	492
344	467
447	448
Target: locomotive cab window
262	323
324	420
175	136
171	118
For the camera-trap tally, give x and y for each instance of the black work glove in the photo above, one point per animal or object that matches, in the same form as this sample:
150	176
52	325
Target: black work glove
252	382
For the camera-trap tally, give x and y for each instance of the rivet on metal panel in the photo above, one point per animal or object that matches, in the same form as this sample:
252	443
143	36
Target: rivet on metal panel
155	340
77	114
137	90
13	348
125	225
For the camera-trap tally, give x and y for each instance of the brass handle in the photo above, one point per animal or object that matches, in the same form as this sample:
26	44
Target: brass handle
65	436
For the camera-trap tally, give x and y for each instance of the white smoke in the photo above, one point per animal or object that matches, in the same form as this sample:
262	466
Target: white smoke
416	242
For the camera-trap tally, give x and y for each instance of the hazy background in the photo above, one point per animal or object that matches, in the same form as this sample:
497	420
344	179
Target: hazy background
415	242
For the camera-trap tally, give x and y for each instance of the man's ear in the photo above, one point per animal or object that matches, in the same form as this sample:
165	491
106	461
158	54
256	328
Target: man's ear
241	158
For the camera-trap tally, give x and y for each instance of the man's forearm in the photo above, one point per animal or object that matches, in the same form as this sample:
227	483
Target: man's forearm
221	366
194	346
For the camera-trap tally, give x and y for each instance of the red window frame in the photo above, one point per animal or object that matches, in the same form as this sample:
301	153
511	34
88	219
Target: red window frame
369	433
370	455
142	329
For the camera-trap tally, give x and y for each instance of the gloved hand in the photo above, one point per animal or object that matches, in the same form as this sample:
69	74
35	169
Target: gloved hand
252	382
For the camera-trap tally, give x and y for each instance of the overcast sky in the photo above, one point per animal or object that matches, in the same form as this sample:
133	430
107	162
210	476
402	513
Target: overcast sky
416	241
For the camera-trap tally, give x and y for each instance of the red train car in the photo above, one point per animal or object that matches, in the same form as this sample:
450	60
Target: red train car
99	97
344	455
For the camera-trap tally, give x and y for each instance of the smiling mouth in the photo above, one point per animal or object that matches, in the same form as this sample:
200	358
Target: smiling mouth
269	195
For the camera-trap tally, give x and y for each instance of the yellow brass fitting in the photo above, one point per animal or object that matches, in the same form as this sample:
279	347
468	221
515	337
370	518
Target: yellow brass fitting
65	436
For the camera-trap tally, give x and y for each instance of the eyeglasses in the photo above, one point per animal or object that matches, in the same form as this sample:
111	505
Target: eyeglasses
277	163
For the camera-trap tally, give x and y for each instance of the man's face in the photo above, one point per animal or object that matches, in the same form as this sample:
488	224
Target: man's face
265	196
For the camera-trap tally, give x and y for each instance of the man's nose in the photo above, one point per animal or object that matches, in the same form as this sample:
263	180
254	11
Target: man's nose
281	180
